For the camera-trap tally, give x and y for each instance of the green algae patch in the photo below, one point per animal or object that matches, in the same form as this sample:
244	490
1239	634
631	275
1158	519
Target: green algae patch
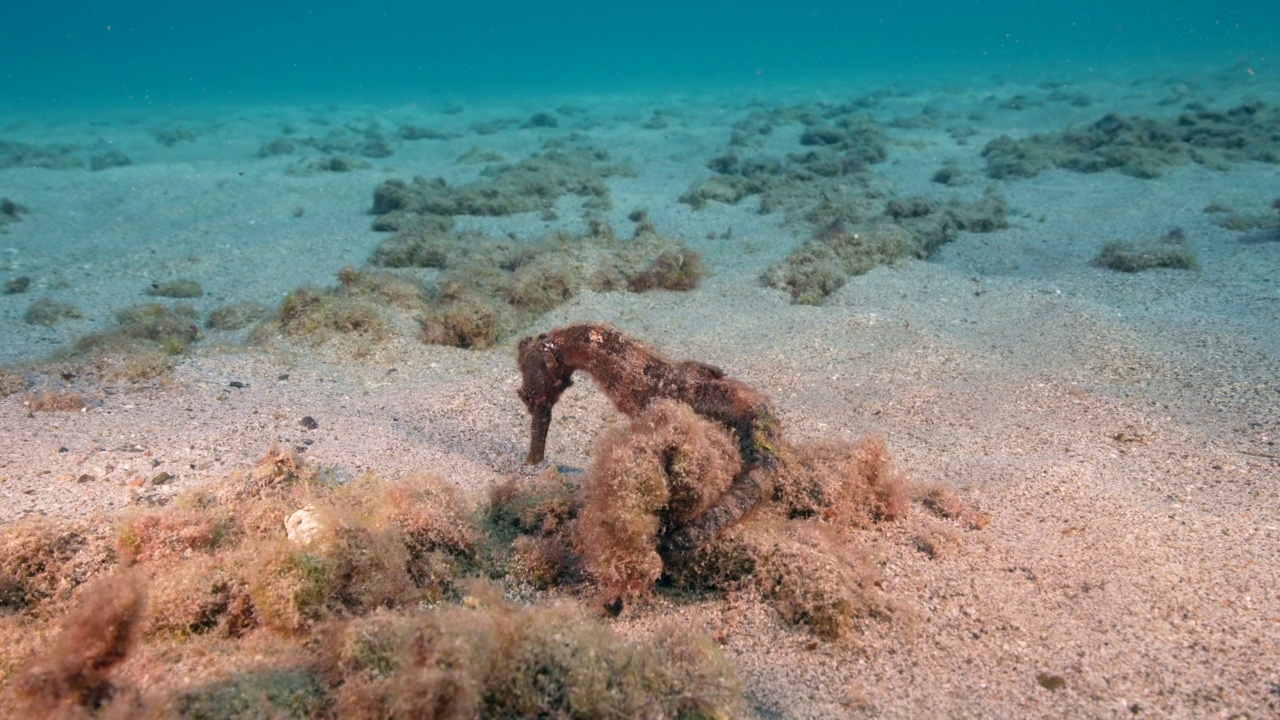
330	164
140	346
1268	223
108	160
501	661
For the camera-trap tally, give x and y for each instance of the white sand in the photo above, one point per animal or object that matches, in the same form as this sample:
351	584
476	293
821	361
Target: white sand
1144	571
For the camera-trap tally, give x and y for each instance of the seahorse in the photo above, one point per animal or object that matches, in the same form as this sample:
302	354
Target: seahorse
632	375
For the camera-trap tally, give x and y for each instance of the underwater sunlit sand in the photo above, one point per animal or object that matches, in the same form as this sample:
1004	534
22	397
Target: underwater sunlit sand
983	379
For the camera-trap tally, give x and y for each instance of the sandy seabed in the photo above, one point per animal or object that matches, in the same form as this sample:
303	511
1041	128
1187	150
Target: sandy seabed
1119	430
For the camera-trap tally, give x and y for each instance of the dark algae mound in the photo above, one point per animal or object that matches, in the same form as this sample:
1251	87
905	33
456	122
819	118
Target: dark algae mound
1266	223
484	288
904	228
488	287
49	157
47	311
1169	251
838	145
530	185
1144	147
828	183
10	211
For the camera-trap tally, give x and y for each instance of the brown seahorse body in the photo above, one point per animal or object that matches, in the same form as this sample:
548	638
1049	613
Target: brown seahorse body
632	375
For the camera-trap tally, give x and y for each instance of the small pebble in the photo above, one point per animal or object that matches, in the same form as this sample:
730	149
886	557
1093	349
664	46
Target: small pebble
310	423
303	526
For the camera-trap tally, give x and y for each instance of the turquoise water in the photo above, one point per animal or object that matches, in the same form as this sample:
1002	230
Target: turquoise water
130	53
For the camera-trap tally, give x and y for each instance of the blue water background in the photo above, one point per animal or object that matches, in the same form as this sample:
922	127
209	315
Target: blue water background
136	53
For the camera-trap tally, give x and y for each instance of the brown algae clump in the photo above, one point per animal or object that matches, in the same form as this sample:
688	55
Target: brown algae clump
363	610
494	660
150	326
75	676
367	305
660	473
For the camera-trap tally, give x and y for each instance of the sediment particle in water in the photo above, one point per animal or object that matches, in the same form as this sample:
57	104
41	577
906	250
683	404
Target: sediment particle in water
111	159
183	288
1051	682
